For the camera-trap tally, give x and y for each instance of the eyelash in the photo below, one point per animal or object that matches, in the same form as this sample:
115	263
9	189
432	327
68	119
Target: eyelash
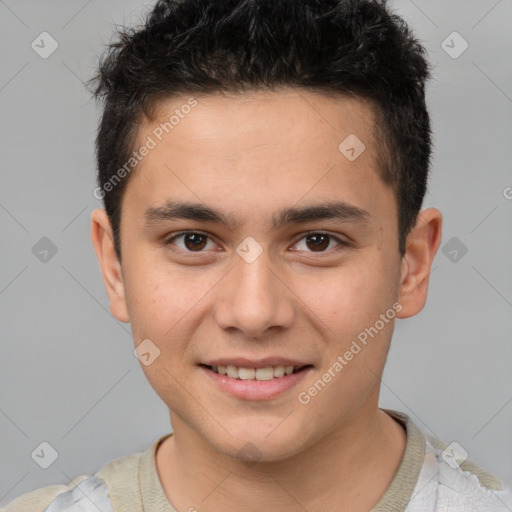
342	243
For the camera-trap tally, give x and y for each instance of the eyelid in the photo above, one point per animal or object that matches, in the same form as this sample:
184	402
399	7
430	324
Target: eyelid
187	232
168	239
341	241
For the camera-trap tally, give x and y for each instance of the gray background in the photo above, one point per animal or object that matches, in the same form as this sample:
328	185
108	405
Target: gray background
68	374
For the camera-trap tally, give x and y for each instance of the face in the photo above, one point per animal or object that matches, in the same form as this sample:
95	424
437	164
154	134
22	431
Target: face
253	236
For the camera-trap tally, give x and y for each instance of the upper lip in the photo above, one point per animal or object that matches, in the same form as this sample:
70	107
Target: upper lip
242	362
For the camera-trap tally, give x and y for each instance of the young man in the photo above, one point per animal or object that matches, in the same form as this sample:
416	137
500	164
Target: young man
263	166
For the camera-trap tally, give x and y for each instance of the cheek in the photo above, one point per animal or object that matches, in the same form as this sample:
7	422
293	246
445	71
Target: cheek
351	295
156	299
168	304
163	303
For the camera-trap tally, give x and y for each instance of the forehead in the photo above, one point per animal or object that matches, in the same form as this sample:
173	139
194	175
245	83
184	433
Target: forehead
263	147
261	116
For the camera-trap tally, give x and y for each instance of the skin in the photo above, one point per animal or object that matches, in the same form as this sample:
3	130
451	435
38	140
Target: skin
252	155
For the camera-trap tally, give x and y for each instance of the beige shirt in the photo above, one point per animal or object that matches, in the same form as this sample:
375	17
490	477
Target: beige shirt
431	477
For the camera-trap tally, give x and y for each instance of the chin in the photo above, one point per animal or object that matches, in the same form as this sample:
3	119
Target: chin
258	443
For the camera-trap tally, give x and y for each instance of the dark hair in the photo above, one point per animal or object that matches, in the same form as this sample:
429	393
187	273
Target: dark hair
356	48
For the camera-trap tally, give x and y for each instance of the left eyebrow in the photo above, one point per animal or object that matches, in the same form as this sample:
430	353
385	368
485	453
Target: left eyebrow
339	210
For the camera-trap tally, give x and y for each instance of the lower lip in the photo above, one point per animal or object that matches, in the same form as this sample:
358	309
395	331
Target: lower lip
256	389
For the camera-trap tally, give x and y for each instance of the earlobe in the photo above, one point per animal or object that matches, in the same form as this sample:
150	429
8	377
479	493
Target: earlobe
103	242
421	247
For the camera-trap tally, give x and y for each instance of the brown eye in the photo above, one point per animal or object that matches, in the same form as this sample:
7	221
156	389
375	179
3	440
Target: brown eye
194	241
190	241
318	242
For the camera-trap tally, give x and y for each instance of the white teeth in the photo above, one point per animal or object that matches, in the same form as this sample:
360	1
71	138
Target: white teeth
232	371
246	373
266	373
278	371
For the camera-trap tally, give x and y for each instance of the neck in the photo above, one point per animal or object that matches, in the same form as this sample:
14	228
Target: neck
349	469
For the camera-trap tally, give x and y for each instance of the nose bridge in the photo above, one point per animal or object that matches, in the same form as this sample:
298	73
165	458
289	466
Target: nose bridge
253	298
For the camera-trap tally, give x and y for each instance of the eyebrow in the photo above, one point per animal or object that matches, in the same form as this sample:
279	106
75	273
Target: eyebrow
338	210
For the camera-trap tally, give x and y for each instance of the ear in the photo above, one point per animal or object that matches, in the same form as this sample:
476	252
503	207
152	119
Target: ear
103	242
421	247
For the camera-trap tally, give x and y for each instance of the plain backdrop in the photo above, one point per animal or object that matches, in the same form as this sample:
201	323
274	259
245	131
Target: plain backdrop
68	375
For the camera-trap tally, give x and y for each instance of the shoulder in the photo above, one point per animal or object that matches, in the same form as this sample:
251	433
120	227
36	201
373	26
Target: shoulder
38	500
89	492
463	485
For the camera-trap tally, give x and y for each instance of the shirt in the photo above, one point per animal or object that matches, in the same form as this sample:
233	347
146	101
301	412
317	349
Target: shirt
432	477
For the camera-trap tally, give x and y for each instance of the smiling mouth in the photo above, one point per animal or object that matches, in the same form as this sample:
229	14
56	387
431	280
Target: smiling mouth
265	373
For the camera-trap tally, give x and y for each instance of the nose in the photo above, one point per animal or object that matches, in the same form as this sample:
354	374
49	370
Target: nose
254	298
